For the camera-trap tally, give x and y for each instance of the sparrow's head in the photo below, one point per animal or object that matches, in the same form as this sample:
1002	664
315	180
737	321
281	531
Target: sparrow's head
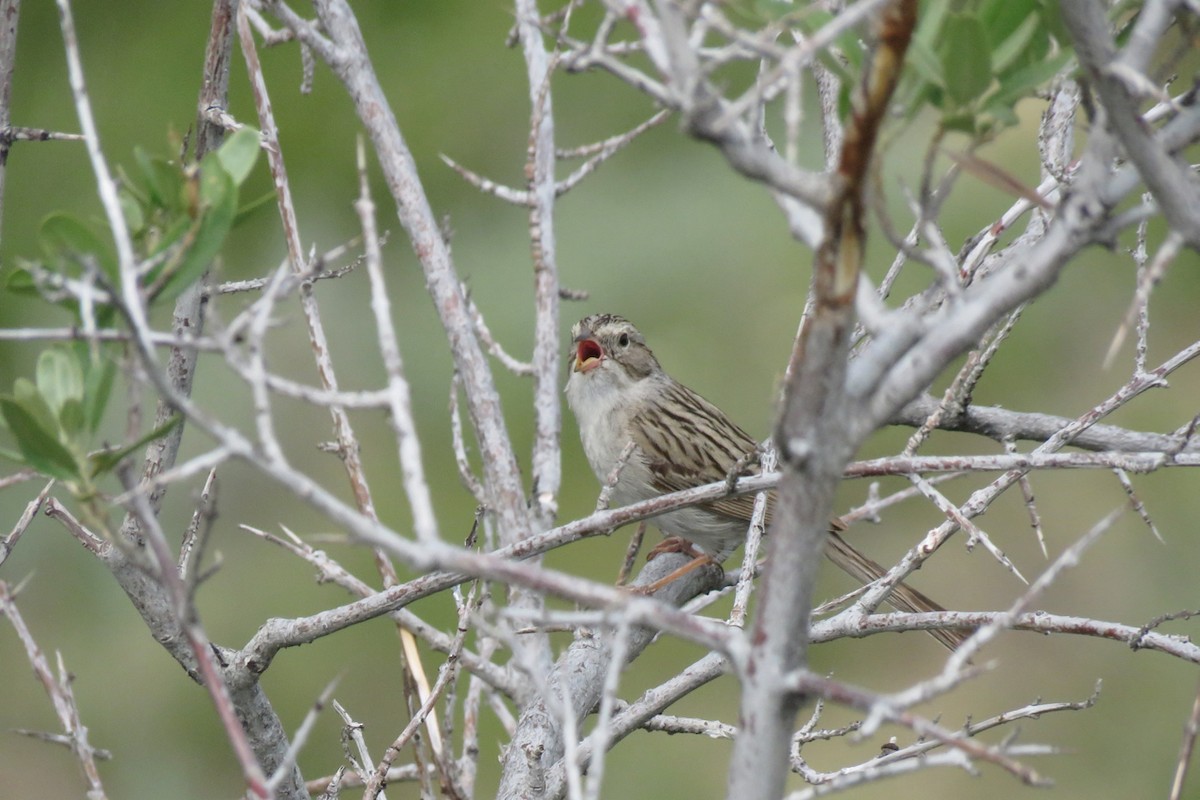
605	342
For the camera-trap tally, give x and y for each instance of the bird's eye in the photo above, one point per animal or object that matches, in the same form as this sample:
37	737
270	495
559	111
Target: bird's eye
623	340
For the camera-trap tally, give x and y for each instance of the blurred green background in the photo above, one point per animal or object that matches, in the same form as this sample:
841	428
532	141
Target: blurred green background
701	260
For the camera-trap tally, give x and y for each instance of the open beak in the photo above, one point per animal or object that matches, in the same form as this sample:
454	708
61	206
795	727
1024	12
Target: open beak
588	355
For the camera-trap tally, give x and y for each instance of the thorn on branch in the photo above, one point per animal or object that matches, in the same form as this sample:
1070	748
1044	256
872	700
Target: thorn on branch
1139	641
574	295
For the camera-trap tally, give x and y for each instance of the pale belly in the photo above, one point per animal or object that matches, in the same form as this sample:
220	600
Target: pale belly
715	534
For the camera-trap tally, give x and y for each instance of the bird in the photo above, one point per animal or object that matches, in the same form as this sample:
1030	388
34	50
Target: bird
626	405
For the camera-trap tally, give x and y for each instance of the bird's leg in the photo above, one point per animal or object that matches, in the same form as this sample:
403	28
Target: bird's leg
701	560
675	544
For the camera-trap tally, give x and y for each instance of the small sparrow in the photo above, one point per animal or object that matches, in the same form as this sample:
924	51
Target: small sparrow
620	394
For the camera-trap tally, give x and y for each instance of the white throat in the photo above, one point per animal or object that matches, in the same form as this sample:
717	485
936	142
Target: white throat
603	400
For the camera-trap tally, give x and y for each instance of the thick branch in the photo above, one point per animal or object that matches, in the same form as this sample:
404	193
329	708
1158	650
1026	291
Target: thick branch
812	437
1005	425
577	679
1169	179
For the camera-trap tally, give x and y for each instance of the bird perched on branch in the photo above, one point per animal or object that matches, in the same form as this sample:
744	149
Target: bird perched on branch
621	395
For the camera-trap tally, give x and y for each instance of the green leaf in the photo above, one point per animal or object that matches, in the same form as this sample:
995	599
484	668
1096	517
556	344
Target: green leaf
26	394
169	247
966	59
20	281
71	417
218	197
11	455
1052	15
39	449
930	18
107	460
216	184
773	10
174	233
1004	116
813	20
1002	18
848	44
1020	83
238	154
98	386
59	378
835	65
163	180
62	235
964	122
247	210
131	208
128	184
1014	46
926	63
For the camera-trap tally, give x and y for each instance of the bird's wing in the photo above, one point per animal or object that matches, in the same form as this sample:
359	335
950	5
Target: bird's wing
697	445
701	445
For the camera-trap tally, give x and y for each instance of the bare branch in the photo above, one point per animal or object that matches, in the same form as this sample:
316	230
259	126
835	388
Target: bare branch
865	355
31	509
10	11
811	433
1185	749
347	55
399	398
1169	180
881	707
61	696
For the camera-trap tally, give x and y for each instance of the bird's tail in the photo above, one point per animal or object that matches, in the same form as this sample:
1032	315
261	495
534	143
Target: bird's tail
903	597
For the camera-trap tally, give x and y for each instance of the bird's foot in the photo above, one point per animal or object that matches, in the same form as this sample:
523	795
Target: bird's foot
674	544
698	560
